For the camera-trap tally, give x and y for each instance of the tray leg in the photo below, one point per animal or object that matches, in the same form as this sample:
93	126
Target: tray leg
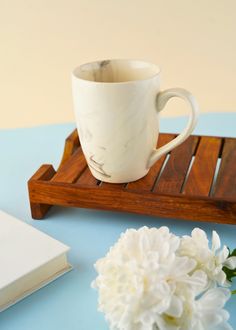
38	211
44	173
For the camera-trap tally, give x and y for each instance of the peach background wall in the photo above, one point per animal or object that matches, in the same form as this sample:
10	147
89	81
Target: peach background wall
41	41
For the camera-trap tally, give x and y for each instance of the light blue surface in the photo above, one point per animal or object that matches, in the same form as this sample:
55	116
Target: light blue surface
69	303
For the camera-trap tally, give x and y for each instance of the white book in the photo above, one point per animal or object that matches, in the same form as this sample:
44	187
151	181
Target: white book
29	259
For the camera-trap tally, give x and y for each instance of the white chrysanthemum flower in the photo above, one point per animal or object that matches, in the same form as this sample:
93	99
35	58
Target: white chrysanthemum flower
210	260
199	313
139	277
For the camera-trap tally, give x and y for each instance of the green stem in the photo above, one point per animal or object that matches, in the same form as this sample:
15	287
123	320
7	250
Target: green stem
233	292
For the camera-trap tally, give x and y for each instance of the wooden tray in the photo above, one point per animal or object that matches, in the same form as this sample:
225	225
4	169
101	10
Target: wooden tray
196	181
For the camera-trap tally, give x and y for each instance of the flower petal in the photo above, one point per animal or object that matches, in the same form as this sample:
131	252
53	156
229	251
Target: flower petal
221	278
198	281
214	299
211	320
163	324
230	263
176	307
224	326
223	255
183	265
215	241
200	236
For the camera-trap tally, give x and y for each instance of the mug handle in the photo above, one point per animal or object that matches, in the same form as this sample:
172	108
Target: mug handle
162	99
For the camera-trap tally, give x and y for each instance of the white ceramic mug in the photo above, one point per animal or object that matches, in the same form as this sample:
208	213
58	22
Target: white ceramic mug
116	105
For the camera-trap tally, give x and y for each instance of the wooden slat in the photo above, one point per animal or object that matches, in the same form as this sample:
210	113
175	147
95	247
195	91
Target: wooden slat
225	186
72	168
72	142
113	186
202	172
45	172
147	183
174	173
87	178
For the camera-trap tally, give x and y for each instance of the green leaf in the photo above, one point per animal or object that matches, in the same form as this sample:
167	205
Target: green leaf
230	273
232	254
233	292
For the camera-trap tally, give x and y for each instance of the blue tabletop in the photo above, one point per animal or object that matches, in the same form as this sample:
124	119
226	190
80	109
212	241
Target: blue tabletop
69	302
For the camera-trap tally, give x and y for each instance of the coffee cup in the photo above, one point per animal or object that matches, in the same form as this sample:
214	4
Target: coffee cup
117	104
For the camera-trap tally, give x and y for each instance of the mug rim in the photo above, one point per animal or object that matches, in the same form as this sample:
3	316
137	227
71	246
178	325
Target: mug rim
99	62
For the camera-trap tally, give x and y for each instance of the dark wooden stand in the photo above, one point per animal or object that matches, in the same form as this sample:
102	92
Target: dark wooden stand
185	184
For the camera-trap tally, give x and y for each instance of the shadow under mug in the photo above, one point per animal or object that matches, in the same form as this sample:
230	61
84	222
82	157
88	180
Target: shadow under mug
116	104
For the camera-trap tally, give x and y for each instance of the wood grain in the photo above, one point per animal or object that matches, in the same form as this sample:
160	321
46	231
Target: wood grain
147	183
44	173
173	175
72	142
176	206
225	186
86	178
72	168
202	172
113	186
